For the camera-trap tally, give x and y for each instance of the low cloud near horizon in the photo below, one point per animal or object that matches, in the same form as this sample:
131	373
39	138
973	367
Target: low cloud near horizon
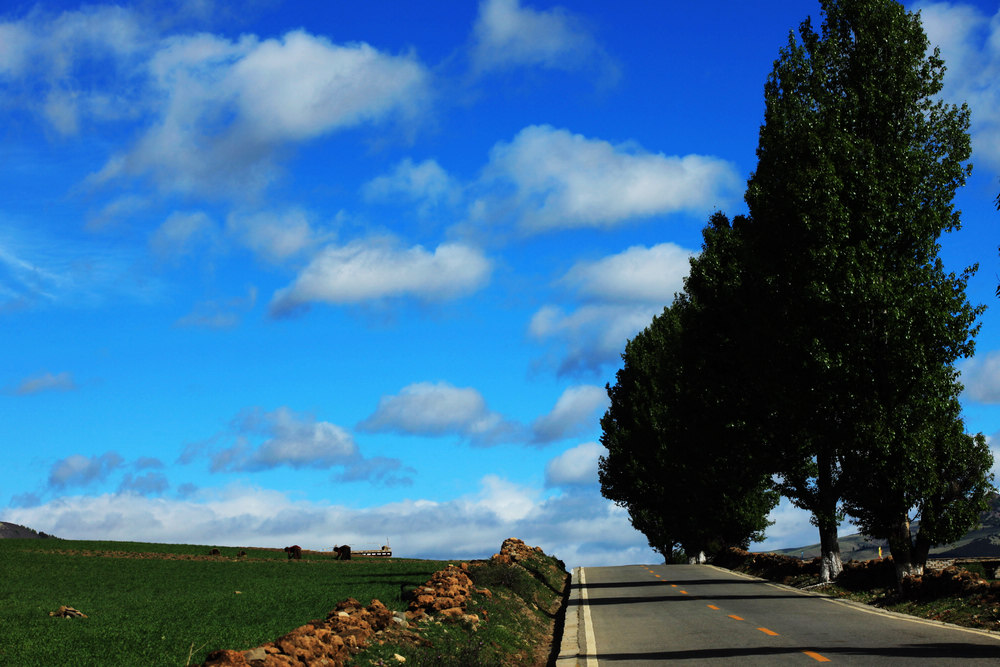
571	526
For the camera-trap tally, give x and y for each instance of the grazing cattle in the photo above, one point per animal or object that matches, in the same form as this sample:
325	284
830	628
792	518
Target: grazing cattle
343	552
214	552
294	551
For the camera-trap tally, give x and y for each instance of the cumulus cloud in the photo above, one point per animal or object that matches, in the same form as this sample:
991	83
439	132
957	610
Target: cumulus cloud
981	377
576	466
180	232
226	108
148	484
263	440
436	409
591	336
426	182
553	179
79	470
289	439
574	413
508	35
377	269
970	45
620	294
46	382
275	237
46	60
580	528
639	273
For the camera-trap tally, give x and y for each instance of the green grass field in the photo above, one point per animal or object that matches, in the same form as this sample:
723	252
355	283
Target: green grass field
164	610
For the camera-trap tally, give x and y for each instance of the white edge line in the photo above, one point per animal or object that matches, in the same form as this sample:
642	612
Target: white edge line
589	647
868	609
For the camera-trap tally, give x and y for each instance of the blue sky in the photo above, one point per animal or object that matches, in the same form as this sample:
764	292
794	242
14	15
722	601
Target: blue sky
276	274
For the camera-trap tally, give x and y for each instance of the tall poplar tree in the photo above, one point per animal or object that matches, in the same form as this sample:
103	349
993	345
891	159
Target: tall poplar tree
678	456
856	322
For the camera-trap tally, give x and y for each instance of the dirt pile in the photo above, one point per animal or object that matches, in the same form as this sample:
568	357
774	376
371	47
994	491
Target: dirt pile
446	594
951	581
350	626
775	567
514	550
328	642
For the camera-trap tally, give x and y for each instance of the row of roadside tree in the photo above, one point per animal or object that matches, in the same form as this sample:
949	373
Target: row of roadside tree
812	352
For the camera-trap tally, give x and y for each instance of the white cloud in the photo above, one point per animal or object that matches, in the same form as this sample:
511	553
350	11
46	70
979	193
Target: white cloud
970	45
576	466
591	336
553	179
507	501
46	382
376	269
15	46
274	236
264	440
293	440
227	108
993	442
792	528
79	470
508	35
149	484
638	274
981	377
581	529
440	408
427	182
48	59
180	231
621	293
574	413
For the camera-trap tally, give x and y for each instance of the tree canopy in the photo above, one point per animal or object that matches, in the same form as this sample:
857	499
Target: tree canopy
677	458
816	338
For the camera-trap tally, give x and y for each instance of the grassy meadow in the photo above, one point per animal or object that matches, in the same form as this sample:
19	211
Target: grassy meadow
167	604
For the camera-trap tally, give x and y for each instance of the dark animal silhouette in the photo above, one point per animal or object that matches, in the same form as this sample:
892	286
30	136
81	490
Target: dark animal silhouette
294	551
241	554
343	552
214	552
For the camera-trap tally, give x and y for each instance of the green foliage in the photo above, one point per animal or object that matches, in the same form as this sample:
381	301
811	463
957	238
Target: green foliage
158	610
514	620
859	161
680	456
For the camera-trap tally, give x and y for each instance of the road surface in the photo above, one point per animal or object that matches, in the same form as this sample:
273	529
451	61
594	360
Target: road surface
642	615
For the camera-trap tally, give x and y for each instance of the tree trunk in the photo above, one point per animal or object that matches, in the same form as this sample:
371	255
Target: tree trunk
831	565
826	520
905	555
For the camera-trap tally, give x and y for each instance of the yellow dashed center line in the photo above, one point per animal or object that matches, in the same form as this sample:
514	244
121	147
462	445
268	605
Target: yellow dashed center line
673	585
734	616
768	632
712	606
816	656
684	592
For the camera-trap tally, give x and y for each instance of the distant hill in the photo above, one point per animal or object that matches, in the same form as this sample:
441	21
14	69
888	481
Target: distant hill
12	530
981	541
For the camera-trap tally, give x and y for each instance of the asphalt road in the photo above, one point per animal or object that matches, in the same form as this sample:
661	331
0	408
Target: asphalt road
641	615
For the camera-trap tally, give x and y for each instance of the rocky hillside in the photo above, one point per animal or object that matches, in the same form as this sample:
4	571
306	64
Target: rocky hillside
980	542
12	530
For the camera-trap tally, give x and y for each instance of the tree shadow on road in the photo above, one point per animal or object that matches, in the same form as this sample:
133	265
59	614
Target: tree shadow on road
929	651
